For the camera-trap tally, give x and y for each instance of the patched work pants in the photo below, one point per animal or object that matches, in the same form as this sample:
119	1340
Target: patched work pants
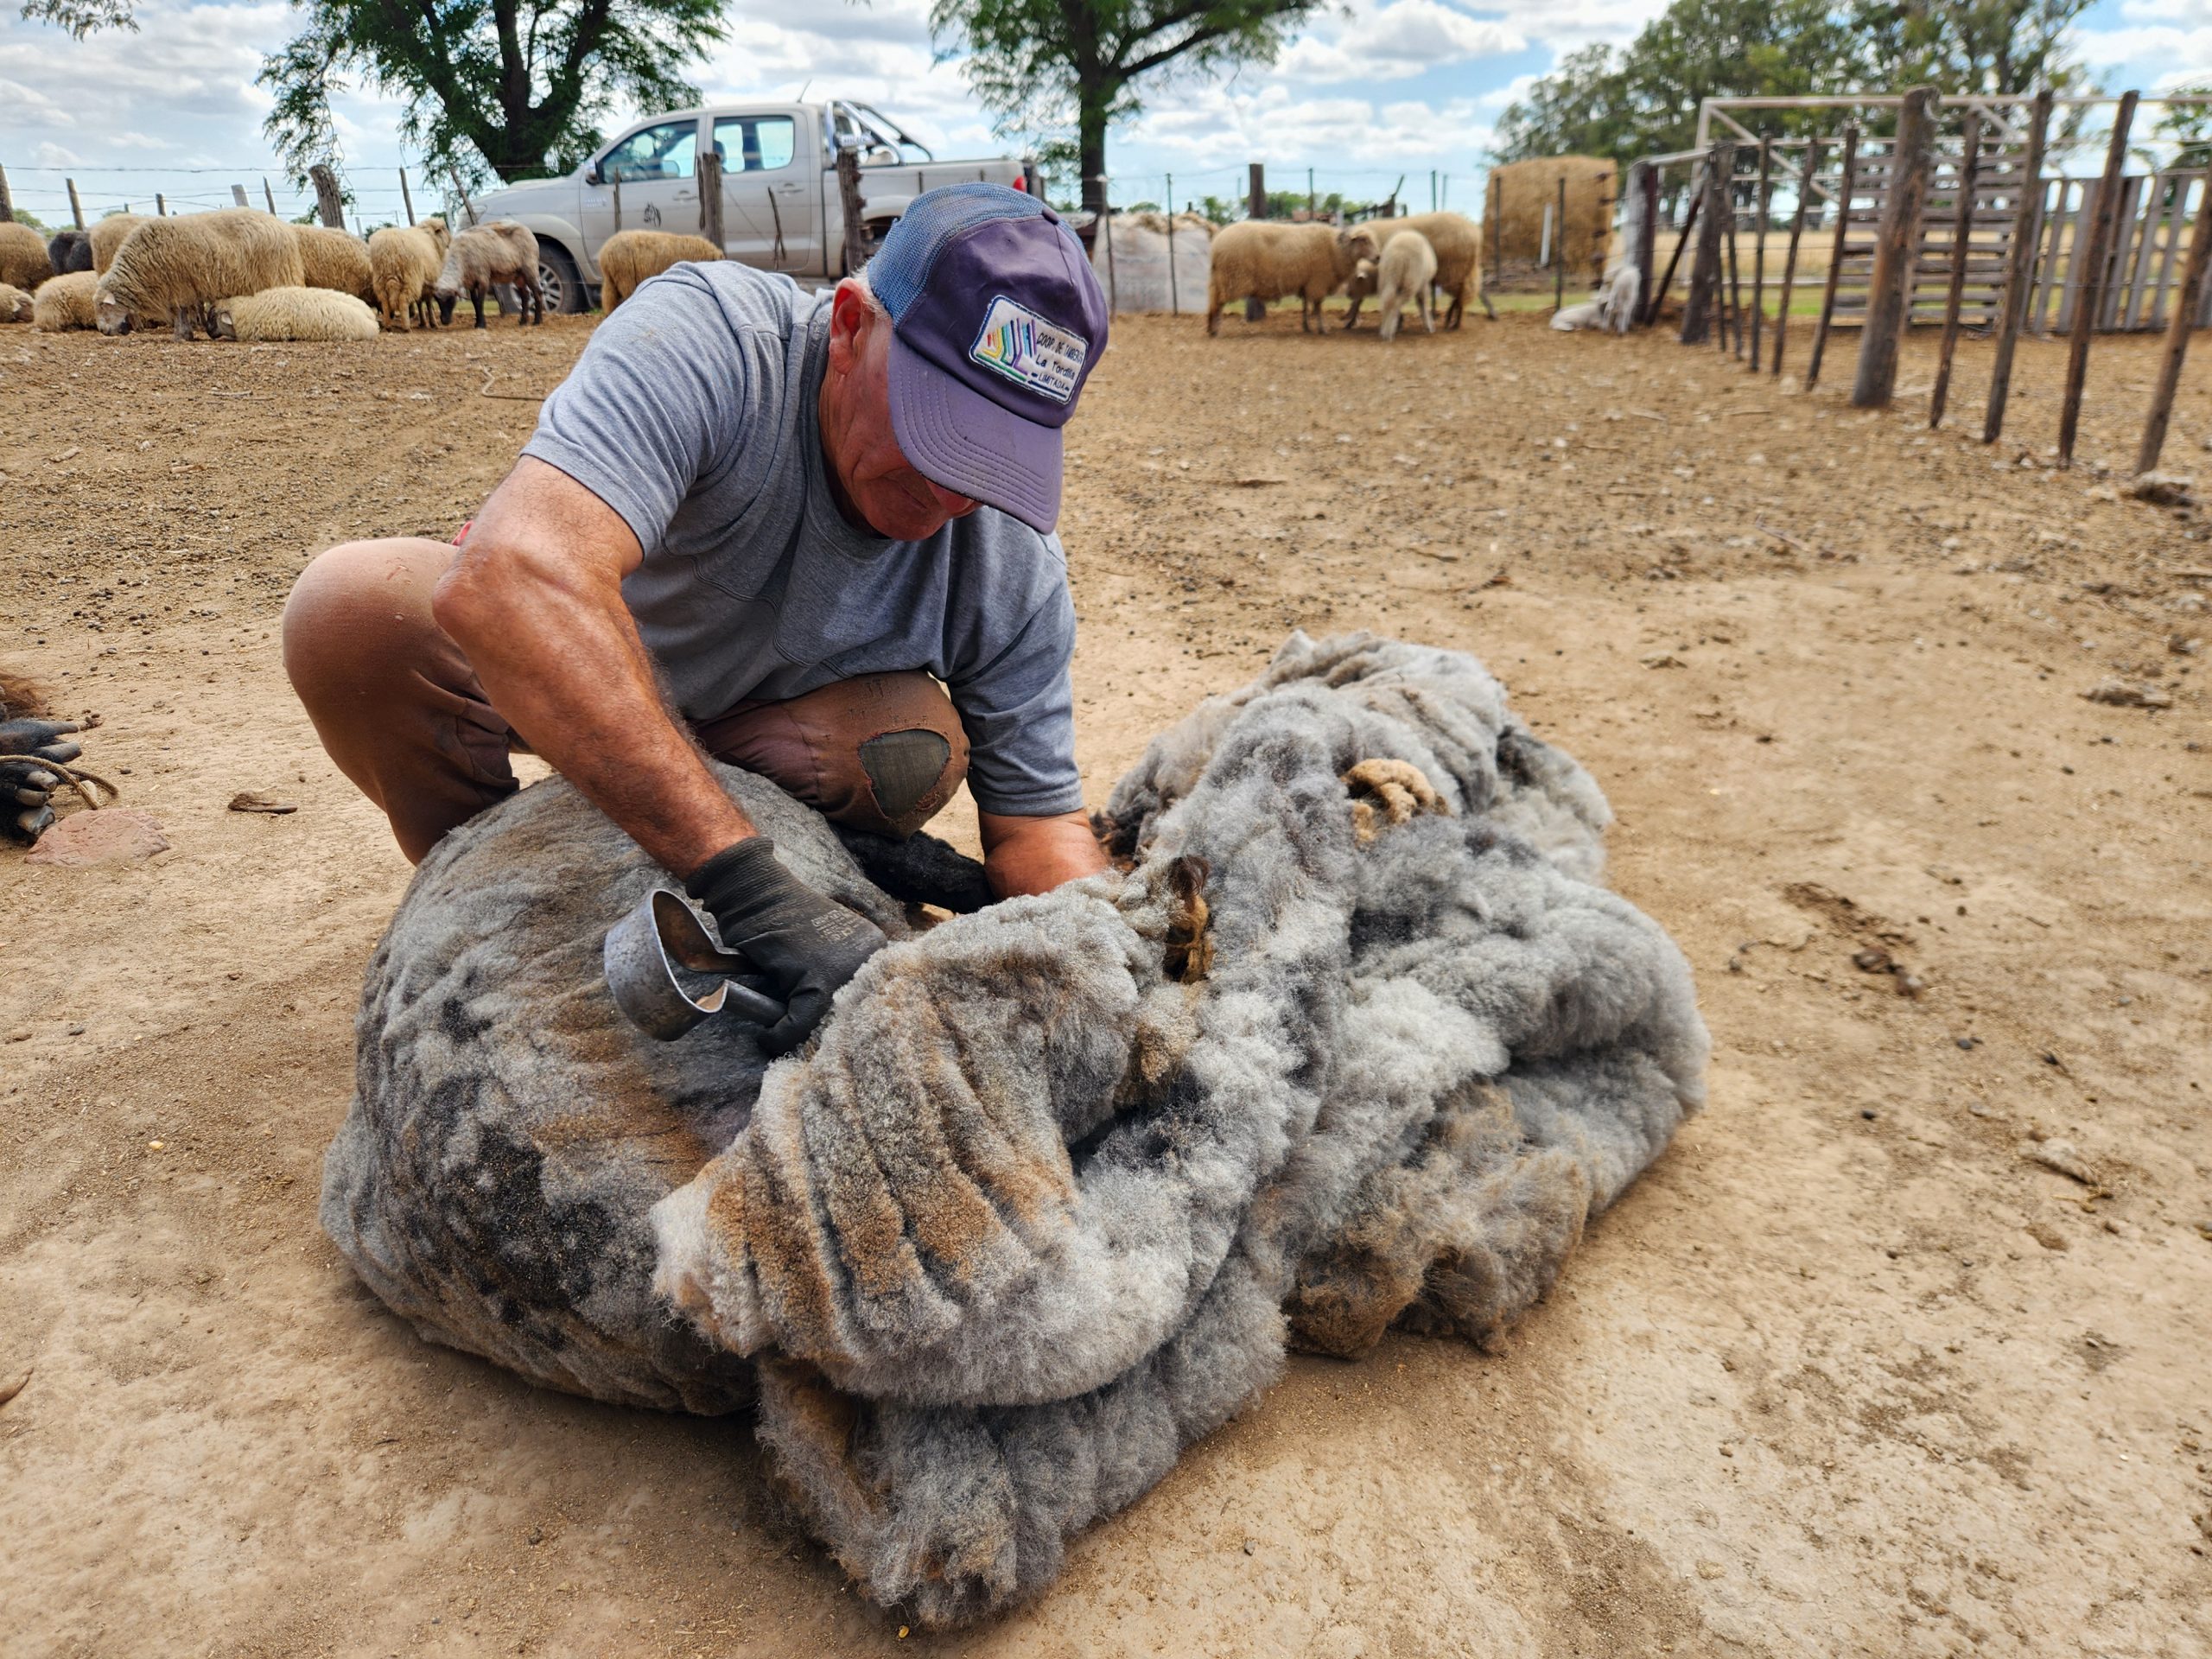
399	709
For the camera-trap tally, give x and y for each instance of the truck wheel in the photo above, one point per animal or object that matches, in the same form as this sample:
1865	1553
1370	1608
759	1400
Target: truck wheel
557	276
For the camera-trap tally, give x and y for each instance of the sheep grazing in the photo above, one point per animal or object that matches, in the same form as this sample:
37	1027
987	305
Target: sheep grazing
65	302
108	234
70	250
293	313
23	262
484	256
1259	259
16	306
403	266
1404	272
335	260
178	268
1457	241
630	256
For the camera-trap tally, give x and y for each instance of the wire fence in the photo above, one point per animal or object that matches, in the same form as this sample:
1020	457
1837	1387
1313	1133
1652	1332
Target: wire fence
1228	192
56	196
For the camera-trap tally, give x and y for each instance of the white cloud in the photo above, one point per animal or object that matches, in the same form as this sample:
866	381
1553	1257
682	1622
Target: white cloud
53	155
1393	42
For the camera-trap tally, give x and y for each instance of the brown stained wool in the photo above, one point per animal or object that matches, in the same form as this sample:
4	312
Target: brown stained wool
23	261
630	257
1027	1219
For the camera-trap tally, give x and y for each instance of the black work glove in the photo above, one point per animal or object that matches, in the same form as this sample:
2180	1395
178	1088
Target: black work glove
26	787
805	944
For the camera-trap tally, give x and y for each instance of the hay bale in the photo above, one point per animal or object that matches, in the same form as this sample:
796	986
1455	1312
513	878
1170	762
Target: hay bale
1513	218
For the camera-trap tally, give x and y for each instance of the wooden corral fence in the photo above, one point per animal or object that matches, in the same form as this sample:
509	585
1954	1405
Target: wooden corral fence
1950	218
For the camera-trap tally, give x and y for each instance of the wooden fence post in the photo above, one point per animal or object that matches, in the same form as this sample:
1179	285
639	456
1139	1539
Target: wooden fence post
1689	224
1758	249
1732	319
269	195
161	206
1559	250
7	201
238	196
1644	181
1896	252
461	190
1963	231
2178	325
1789	260
1705	269
76	207
2020	268
406	196
1256	206
2089	299
1846	177
709	181
330	207
855	206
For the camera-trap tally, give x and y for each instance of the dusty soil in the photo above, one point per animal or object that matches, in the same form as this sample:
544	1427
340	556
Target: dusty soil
1848	1371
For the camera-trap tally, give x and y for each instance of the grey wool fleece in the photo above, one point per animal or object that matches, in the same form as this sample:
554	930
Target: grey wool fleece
1357	1040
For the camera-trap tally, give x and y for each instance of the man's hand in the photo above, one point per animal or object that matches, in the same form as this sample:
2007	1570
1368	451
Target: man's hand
534	601
26	787
1037	854
807	945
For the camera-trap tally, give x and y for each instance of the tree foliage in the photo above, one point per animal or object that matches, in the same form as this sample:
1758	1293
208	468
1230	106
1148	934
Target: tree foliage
511	87
82	17
1049	68
1643	99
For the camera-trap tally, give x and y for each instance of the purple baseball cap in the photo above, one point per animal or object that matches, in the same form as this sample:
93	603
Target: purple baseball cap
996	321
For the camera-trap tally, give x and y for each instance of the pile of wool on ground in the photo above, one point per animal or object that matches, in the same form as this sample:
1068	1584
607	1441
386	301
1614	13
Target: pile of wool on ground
1358	1039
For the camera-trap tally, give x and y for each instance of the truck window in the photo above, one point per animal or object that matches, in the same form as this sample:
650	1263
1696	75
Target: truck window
754	143
663	152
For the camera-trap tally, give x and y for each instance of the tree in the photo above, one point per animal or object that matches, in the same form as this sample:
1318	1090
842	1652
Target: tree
1973	46
82	17
519	83
1043	66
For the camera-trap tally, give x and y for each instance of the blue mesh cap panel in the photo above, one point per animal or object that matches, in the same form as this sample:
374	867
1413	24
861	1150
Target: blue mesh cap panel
902	267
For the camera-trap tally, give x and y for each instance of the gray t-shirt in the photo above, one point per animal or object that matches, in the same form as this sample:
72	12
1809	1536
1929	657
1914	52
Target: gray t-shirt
692	413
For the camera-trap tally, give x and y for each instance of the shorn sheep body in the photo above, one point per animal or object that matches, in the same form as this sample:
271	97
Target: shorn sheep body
179	268
1404	272
108	234
16	306
294	313
484	256
1456	242
403	267
336	260
1255	259
23	262
629	257
65	302
1611	310
69	251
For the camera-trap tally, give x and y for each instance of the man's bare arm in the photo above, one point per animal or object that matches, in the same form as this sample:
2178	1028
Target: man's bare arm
1037	854
535	600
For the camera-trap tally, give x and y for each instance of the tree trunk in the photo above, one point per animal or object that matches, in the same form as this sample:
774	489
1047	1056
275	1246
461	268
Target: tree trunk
1091	145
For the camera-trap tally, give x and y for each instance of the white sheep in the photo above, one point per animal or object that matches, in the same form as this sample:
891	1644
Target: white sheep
403	267
108	234
1262	260
293	313
24	262
16	306
629	257
64	302
484	256
337	260
1405	271
178	268
1613	308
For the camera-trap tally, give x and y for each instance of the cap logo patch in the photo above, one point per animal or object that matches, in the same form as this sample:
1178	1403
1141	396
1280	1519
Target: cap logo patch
1029	351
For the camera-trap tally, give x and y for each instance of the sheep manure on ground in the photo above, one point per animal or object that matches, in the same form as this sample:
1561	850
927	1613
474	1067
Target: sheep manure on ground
1356	1039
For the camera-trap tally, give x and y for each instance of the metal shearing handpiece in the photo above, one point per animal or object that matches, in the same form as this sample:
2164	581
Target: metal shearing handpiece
667	974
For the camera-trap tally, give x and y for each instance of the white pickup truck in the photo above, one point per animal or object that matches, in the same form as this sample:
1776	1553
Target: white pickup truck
780	207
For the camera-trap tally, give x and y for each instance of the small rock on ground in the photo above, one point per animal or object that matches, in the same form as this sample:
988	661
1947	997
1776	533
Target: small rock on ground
115	835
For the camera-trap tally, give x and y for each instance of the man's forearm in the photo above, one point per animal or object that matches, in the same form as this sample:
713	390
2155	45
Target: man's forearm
1037	854
560	658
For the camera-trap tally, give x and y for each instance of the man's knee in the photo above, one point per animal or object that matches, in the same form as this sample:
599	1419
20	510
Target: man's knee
359	610
881	752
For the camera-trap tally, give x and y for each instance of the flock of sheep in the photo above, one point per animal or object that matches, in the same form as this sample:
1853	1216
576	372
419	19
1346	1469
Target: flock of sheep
242	274
1398	261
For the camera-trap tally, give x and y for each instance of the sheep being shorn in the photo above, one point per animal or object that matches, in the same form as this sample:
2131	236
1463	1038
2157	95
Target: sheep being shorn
629	257
24	262
335	259
293	313
484	257
1404	272
178	268
68	250
1260	259
1356	1039
65	302
16	306
108	234
403	267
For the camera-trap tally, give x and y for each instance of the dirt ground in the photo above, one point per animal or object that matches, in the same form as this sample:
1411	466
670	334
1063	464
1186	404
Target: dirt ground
1848	1372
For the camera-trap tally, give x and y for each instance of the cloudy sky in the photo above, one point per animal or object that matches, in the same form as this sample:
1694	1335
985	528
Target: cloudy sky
1383	88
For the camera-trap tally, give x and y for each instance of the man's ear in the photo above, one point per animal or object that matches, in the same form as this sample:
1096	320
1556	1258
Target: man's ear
849	321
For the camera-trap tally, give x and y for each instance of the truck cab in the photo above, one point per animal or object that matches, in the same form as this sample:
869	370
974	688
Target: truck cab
781	210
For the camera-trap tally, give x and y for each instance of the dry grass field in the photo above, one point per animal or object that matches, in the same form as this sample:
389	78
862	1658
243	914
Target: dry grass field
1851	1371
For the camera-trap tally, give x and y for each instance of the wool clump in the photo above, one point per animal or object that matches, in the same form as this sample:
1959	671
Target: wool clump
1355	1038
